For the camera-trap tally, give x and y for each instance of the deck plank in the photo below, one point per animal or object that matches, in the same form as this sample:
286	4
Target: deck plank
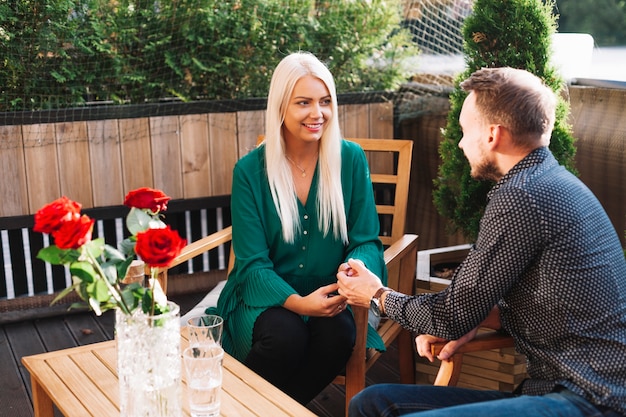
14	393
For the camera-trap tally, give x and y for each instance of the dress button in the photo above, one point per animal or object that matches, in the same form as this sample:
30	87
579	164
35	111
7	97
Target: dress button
306	232
300	266
304	248
306	217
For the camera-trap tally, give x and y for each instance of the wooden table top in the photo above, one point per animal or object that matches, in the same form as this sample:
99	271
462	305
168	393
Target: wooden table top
82	381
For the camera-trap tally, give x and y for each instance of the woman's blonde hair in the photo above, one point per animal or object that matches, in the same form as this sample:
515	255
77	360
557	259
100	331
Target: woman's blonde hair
330	196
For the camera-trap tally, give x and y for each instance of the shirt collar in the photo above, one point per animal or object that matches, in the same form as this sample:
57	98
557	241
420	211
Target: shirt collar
536	157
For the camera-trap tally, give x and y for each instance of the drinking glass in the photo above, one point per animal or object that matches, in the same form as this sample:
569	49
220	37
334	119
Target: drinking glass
205	330
203	367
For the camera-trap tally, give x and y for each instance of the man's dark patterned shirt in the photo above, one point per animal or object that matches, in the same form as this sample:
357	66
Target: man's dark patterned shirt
549	256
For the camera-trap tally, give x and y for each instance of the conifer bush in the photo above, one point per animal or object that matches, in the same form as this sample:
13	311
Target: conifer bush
499	33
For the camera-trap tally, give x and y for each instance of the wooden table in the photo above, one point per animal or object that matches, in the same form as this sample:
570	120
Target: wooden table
82	382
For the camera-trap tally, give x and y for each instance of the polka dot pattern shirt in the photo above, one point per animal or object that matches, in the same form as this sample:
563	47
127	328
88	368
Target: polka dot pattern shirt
548	255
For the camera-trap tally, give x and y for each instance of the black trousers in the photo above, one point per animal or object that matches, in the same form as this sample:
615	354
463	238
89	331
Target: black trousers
301	358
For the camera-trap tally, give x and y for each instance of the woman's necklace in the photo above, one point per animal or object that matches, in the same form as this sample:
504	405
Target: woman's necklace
302	170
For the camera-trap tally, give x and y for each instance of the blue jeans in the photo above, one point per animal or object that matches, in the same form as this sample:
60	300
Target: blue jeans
391	400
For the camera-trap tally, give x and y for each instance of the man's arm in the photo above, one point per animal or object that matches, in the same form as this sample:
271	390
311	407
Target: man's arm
423	342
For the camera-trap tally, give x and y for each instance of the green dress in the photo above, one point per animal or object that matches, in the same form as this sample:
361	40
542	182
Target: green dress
267	270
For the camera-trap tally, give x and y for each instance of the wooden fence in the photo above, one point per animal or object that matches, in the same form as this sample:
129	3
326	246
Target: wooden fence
96	162
189	156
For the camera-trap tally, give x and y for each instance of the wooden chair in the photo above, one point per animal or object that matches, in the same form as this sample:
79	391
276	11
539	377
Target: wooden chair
390	168
450	369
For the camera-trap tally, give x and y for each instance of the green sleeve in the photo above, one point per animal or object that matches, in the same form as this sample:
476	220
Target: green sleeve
251	209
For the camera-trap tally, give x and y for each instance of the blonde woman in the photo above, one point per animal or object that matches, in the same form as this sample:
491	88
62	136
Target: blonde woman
302	205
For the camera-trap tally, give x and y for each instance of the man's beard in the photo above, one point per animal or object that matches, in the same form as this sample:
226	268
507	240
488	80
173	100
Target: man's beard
486	170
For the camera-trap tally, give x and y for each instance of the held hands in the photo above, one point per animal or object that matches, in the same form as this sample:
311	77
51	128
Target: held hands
356	283
323	302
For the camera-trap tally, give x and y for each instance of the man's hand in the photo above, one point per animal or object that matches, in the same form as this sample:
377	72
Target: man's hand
424	342
357	283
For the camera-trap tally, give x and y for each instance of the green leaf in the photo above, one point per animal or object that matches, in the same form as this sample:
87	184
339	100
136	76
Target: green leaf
52	254
113	255
78	305
146	302
122	268
110	271
127	246
95	247
132	294
138	221
98	290
83	271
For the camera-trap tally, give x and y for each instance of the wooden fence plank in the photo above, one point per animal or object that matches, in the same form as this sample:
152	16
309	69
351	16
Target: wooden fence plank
74	163
106	162
380	120
353	121
42	167
598	125
13	185
250	125
223	151
136	153
166	155
196	159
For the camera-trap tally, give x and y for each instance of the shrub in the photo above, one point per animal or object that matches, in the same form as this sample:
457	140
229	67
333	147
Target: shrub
69	52
514	33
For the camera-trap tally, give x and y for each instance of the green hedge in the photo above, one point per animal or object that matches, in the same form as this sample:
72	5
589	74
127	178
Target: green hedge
65	53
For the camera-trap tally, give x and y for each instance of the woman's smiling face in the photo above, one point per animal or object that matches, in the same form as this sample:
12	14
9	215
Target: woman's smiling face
309	108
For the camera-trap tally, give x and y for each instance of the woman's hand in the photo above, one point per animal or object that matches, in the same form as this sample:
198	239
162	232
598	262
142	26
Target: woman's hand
357	283
323	302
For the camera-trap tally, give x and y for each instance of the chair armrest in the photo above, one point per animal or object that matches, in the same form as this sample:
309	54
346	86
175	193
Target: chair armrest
401	260
203	245
194	249
482	341
450	369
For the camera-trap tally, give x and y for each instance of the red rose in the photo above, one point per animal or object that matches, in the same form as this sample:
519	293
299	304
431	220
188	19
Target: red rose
50	217
74	233
159	247
147	198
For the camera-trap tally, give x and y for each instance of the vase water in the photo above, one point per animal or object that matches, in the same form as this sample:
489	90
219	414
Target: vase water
149	363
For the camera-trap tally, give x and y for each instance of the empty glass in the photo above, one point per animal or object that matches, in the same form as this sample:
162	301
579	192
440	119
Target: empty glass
205	330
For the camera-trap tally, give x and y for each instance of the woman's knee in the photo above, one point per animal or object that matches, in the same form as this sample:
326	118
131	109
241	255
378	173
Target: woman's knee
279	331
338	332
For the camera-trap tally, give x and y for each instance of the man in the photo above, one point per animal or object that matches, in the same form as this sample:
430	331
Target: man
547	267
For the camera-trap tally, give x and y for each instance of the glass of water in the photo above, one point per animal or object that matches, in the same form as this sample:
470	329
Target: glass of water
203	367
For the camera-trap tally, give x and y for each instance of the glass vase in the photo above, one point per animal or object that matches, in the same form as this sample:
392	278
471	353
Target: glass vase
149	363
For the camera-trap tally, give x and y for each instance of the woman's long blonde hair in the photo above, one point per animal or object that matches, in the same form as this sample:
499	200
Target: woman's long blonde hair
330	197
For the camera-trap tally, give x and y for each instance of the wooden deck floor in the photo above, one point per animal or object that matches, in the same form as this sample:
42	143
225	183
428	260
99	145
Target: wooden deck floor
32	336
